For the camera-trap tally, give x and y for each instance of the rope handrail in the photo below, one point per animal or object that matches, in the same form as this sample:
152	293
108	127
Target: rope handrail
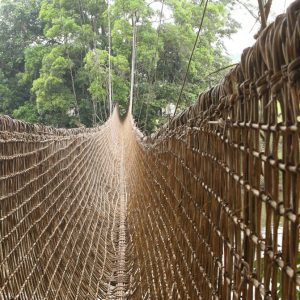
207	208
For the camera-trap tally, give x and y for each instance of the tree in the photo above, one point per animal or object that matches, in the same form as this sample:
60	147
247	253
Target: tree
19	28
175	43
57	72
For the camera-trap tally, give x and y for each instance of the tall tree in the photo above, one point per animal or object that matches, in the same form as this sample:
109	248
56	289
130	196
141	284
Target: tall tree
176	39
19	28
55	57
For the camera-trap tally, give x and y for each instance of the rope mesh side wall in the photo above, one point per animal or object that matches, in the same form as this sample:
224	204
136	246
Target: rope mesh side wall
213	199
59	211
214	196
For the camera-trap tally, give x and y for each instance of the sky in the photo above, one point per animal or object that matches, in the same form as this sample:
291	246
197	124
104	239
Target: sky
244	37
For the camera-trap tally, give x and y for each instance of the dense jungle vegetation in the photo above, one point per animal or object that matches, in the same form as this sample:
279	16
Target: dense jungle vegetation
54	57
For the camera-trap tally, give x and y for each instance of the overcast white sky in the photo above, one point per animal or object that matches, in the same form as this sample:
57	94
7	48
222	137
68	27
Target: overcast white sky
244	37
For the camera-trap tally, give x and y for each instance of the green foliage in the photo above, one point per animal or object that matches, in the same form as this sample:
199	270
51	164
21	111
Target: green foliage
122	37
54	58
60	23
33	63
175	42
5	93
19	27
96	65
27	112
50	88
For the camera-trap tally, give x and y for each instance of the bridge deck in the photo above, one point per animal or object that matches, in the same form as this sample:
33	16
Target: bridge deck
208	208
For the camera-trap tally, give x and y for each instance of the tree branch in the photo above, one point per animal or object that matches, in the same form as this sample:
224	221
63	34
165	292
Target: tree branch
263	19
268	8
264	11
247	8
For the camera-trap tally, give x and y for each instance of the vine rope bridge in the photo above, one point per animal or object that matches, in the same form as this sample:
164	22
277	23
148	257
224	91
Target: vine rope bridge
207	208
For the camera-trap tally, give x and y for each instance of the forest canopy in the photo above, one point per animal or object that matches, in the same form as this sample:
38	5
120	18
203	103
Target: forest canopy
55	57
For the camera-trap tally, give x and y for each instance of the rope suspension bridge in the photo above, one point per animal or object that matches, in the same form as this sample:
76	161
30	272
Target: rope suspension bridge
207	208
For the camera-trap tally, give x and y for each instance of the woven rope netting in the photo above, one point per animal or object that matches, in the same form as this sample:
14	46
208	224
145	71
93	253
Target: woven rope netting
60	206
207	208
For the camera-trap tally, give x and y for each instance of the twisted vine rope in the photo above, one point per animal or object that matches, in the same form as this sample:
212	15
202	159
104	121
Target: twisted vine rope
60	202
214	196
208	208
